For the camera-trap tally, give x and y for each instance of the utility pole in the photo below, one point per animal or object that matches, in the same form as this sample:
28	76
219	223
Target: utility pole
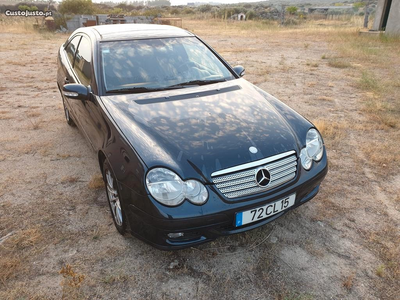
366	14
283	15
48	6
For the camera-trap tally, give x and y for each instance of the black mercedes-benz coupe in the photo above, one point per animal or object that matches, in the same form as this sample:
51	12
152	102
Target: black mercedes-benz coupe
188	149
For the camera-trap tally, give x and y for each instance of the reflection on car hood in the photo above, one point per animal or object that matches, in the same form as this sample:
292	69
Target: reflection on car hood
197	131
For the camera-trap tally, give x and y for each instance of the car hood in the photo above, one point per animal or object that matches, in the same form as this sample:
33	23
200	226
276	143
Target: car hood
196	131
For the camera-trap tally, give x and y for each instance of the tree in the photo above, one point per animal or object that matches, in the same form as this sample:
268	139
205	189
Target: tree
117	11
27	7
159	3
292	10
188	11
204	8
358	5
77	7
250	15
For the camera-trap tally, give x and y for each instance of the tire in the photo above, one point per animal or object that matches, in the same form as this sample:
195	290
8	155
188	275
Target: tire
114	202
68	118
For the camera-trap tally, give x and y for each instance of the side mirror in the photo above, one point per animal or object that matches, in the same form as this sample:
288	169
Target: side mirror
76	91
239	70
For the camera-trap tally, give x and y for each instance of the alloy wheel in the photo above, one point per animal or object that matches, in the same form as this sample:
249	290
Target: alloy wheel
113	198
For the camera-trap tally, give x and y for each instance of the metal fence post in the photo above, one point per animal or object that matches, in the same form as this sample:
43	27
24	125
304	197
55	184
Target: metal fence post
366	15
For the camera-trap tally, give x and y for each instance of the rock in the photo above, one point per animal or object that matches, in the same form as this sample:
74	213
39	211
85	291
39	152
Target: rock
274	239
174	264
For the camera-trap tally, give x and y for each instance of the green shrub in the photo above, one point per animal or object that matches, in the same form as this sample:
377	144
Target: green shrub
27	7
292	10
84	7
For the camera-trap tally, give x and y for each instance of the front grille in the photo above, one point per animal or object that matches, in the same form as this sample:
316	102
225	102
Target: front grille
241	180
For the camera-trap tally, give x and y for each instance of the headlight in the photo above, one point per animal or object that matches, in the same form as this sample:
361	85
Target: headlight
169	189
196	192
314	149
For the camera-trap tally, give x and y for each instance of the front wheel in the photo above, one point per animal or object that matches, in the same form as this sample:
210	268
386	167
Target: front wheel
113	197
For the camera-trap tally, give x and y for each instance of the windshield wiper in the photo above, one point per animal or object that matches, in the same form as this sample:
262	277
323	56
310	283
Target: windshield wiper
139	89
142	89
197	82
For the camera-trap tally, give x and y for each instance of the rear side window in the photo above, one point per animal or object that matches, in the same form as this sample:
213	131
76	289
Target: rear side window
83	59
71	49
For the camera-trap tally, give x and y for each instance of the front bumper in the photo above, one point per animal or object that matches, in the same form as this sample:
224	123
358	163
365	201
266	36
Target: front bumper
200	224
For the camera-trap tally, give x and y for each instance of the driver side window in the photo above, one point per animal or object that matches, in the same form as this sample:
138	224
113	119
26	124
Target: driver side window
71	49
83	59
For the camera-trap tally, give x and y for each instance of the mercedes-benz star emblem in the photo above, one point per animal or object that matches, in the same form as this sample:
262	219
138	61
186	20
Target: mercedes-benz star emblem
263	177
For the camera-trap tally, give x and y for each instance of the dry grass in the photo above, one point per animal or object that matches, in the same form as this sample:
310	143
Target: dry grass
71	283
384	154
385	243
35	125
331	131
325	98
312	64
115	278
378	59
96	182
17	25
383	112
380	271
69	179
337	63
236	50
16	63
8	267
67	155
17	261
257	29
5	117
33	114
349	281
16	250
369	82
32	148
23	239
378	77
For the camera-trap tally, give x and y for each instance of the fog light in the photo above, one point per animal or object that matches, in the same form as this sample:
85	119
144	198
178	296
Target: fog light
175	235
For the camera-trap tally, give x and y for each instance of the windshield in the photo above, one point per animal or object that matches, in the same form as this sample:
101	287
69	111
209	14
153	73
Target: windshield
159	64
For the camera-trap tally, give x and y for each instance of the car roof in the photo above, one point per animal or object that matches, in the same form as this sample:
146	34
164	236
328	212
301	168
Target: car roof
115	32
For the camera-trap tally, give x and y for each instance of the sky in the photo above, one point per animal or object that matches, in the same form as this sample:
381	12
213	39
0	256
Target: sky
184	2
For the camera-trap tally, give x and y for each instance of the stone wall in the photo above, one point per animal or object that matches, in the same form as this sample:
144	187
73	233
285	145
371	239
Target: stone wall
393	23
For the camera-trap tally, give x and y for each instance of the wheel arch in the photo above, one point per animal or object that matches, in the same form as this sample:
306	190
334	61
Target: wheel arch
101	157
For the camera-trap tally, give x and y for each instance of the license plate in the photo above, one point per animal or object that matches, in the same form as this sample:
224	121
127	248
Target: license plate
265	211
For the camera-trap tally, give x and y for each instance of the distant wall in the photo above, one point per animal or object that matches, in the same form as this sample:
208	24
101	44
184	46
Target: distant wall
393	23
78	21
378	15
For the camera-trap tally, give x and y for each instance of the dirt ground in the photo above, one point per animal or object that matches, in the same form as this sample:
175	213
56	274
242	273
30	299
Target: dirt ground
57	239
